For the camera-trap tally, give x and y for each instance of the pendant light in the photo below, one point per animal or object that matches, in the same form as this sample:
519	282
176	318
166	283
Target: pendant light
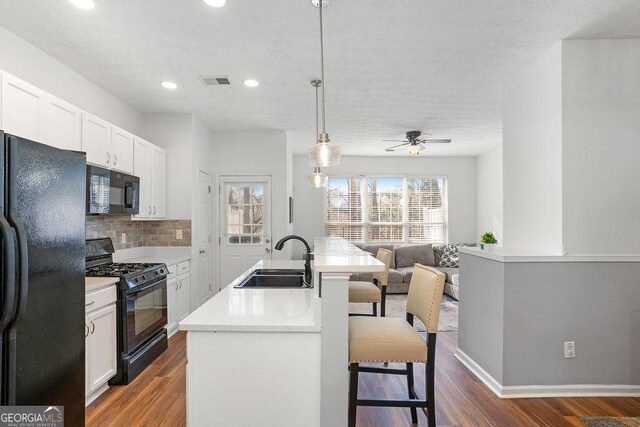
317	179
323	153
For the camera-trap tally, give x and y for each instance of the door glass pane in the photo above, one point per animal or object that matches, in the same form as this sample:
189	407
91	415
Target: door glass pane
245	214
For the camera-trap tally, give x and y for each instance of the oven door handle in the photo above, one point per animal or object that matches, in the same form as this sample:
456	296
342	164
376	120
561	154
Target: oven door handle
144	288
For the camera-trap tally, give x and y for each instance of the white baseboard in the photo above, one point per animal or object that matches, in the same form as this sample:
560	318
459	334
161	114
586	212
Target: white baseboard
561	390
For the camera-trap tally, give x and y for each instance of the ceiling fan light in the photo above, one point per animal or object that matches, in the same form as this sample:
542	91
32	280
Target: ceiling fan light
317	179
414	149
324	154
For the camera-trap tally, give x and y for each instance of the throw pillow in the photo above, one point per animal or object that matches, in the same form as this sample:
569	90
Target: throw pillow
450	256
407	256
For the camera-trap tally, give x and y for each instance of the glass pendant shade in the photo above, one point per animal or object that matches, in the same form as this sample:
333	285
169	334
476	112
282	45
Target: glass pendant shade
324	154
317	179
414	149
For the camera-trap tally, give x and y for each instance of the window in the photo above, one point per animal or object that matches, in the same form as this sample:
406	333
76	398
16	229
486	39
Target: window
344	208
387	209
245	218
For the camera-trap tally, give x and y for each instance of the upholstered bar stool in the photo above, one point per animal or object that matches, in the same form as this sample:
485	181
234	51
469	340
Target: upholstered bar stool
393	340
376	292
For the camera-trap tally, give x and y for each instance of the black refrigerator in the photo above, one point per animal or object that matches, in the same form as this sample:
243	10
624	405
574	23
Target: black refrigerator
42	244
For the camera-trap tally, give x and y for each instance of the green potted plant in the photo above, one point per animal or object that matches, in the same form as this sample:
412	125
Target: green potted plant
488	241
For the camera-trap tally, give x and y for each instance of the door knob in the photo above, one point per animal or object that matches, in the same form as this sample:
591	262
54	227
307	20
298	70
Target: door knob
267	250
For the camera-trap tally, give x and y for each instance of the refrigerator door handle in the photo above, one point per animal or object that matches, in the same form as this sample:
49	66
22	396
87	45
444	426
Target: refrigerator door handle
9	274
23	265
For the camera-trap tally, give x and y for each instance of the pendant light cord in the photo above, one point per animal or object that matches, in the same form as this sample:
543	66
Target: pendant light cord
322	66
317	126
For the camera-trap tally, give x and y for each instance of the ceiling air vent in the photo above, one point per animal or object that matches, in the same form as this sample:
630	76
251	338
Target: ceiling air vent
214	80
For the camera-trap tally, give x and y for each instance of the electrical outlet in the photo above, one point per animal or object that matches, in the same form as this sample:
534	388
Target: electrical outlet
123	238
569	349
178	234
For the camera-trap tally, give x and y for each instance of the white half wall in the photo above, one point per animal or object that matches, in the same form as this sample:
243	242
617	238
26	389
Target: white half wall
32	65
532	144
460	172
489	183
601	146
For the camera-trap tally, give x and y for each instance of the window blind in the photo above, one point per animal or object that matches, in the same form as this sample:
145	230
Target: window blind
343	207
387	209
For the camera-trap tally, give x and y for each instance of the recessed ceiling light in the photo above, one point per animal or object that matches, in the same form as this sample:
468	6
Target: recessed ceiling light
83	4
215	3
251	83
169	85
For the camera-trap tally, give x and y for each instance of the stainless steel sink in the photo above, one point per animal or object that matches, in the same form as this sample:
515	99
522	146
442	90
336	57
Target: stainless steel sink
274	279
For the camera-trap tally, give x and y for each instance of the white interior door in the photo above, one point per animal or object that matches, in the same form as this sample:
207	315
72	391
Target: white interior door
245	224
205	289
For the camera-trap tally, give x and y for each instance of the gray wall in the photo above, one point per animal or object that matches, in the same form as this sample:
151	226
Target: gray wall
515	318
481	312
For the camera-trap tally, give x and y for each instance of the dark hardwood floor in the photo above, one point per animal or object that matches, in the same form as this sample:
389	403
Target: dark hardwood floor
157	398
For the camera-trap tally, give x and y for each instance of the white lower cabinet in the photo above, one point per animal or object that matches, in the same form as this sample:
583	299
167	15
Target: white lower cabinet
100	340
184	306
178	295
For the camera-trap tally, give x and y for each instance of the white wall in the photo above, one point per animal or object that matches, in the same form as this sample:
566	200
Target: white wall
489	183
532	144
460	172
256	153
601	146
32	65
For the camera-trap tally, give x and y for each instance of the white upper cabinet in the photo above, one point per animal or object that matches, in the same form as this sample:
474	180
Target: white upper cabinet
63	124
150	165
23	109
96	138
159	182
121	150
142	152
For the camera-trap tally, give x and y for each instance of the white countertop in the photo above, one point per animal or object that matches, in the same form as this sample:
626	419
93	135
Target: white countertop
258	310
94	283
518	255
336	255
168	255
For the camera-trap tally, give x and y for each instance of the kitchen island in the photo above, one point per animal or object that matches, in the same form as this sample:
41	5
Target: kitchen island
275	357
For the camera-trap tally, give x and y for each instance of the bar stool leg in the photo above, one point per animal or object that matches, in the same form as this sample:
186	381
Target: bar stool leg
383	303
431	394
414	411
353	393
375	309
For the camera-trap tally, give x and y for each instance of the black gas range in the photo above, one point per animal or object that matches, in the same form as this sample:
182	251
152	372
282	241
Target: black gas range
141	307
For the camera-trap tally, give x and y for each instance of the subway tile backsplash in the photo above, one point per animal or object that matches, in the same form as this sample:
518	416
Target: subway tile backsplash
138	233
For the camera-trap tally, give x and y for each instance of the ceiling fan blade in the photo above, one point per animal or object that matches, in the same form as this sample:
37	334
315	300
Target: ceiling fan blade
422	147
436	141
394	140
396	146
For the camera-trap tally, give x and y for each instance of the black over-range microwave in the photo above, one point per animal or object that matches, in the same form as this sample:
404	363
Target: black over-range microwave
111	192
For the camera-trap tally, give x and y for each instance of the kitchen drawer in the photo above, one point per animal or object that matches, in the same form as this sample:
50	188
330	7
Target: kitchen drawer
100	298
173	270
183	267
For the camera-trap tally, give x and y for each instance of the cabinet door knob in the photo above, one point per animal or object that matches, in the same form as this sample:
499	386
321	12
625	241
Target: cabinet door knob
154	210
267	250
202	252
108	158
115	159
149	210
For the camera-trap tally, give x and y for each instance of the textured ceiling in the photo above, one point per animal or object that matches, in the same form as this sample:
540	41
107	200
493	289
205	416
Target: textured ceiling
391	66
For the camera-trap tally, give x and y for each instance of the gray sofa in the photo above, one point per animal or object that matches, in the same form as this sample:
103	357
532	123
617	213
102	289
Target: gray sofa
404	257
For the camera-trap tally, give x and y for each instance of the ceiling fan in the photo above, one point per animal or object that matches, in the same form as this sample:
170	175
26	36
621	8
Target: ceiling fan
413	142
